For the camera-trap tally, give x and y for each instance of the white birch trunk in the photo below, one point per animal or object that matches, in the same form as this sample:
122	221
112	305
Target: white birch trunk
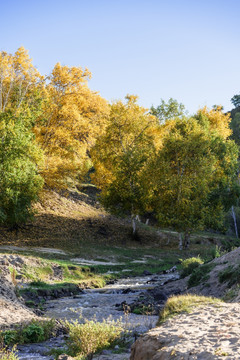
133	224
235	221
180	245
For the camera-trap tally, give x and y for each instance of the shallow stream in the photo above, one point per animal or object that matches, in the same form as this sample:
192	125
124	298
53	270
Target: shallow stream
98	304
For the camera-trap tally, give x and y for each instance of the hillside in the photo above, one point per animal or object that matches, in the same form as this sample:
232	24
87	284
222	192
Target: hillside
73	218
74	240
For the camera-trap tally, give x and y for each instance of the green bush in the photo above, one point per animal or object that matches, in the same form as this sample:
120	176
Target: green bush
91	337
200	274
36	331
231	274
189	265
33	333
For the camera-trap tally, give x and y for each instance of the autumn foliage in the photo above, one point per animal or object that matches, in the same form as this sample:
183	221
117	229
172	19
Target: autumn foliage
54	129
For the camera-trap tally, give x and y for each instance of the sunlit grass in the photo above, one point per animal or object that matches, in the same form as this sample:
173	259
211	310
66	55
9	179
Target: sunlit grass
184	303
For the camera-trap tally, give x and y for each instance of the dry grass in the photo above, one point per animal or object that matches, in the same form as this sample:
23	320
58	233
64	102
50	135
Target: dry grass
184	303
72	220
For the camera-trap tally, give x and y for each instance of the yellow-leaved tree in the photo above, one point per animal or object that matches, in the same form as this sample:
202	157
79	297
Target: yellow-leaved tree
21	85
120	157
216	120
74	116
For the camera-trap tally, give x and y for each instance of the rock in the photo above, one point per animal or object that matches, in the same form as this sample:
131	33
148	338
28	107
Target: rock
106	352
158	295
173	269
65	357
146	273
147	347
127	291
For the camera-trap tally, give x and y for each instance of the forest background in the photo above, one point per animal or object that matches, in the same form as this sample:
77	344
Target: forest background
161	163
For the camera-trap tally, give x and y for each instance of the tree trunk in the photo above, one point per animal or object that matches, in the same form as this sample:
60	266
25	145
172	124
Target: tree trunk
186	240
180	245
134	227
235	221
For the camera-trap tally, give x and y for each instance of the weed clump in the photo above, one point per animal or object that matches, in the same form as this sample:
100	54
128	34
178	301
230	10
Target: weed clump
91	337
183	303
188	265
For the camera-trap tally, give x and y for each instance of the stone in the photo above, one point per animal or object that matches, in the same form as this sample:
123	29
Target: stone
65	357
146	273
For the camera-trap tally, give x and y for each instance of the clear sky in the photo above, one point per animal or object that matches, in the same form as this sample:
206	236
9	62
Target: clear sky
185	49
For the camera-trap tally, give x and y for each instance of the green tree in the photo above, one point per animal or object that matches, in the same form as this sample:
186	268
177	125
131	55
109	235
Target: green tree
235	100
168	110
120	157
20	182
189	175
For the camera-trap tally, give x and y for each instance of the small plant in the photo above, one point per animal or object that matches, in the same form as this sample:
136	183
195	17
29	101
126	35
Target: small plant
143	309
13	275
217	252
230	274
200	275
91	337
184	303
188	265
6	354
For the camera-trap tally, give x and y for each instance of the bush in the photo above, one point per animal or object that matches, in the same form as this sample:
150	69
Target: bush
33	333
231	274
189	265
6	354
36	331
200	274
91	337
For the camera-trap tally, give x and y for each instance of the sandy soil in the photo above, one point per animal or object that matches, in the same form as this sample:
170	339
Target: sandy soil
209	332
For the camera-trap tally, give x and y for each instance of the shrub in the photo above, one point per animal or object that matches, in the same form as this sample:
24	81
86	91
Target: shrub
6	354
189	265
200	274
230	274
90	337
183	303
217	252
36	331
33	333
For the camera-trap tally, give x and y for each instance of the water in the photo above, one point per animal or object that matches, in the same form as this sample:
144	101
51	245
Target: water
98	304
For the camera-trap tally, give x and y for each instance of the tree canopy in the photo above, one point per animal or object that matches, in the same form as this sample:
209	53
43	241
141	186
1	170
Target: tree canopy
168	110
54	129
120	157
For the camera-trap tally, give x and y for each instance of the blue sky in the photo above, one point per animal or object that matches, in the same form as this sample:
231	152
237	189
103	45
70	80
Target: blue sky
188	50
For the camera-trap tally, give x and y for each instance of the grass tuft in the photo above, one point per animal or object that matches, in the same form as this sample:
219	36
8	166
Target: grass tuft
184	303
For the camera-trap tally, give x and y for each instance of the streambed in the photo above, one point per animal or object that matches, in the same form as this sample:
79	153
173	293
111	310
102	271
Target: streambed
99	304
